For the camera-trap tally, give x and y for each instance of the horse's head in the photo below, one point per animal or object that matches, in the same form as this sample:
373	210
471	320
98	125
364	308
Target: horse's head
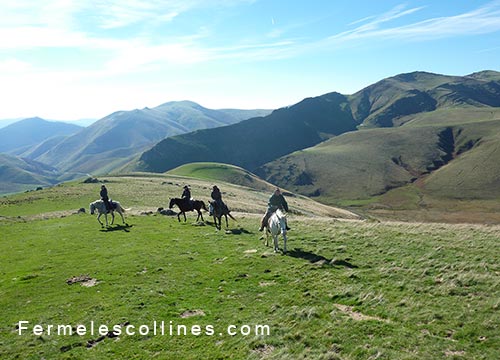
172	203
281	214
92	208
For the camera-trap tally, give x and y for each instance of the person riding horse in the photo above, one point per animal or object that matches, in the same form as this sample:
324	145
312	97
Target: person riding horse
105	198
186	195
276	201
217	197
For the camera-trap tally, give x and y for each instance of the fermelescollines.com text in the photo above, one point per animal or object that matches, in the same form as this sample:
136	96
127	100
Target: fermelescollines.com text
155	328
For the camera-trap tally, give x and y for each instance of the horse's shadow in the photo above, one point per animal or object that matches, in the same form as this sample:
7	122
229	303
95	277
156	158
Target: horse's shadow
117	227
237	231
319	259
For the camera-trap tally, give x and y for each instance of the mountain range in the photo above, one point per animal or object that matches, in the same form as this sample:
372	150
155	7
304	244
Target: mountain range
108	143
407	141
434	132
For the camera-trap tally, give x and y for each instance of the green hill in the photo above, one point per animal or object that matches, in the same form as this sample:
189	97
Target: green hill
217	172
407	168
19	174
388	102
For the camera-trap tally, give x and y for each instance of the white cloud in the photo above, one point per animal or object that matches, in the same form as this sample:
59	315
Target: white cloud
483	20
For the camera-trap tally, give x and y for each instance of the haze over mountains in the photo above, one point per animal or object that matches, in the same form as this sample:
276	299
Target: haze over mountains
20	136
405	137
112	141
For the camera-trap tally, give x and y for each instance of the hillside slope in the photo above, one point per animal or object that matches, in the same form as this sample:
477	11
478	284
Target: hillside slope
387	102
17	174
217	172
425	173
391	102
256	141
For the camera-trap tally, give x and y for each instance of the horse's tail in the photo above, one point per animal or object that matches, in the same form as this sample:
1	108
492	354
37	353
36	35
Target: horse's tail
231	216
122	209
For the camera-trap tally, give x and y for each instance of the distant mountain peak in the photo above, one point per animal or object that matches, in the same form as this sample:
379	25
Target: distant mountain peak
17	137
187	103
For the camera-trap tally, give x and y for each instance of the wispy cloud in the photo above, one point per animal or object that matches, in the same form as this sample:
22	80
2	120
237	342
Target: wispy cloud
375	28
483	20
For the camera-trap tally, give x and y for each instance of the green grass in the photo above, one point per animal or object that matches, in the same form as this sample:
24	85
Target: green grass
346	290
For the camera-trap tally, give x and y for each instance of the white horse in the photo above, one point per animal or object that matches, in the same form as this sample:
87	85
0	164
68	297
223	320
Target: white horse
276	225
101	209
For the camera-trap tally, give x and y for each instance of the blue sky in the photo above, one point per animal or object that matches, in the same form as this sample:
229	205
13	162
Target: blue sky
72	59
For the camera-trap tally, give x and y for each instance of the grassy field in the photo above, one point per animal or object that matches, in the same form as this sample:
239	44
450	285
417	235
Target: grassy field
346	289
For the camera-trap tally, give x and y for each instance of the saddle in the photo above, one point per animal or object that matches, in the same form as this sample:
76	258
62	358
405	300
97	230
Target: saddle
189	204
220	207
112	206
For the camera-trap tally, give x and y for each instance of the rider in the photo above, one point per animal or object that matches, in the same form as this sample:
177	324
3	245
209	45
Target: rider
276	201
217	197
105	198
186	195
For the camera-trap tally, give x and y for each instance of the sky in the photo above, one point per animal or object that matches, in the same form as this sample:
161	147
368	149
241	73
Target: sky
73	59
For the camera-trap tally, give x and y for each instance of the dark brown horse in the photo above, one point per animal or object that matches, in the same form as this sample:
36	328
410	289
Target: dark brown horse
218	212
185	205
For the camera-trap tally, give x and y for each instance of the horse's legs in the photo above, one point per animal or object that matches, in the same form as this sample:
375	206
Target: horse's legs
184	216
284	241
199	215
121	214
275	238
227	224
112	217
178	217
98	219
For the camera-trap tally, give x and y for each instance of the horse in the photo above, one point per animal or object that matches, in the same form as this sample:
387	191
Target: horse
184	206
276	225
100	206
217	213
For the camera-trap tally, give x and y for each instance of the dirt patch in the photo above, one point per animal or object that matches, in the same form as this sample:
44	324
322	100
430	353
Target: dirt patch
84	280
454	353
250	251
263	350
357	315
190	313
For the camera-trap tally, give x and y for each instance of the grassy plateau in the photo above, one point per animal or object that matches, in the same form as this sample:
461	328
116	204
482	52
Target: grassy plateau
347	288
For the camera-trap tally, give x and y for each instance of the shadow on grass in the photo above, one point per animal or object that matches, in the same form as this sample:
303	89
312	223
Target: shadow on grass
233	231
319	259
125	228
238	231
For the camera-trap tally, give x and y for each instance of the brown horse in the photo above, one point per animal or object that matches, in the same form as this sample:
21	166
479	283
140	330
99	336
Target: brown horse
217	212
184	205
